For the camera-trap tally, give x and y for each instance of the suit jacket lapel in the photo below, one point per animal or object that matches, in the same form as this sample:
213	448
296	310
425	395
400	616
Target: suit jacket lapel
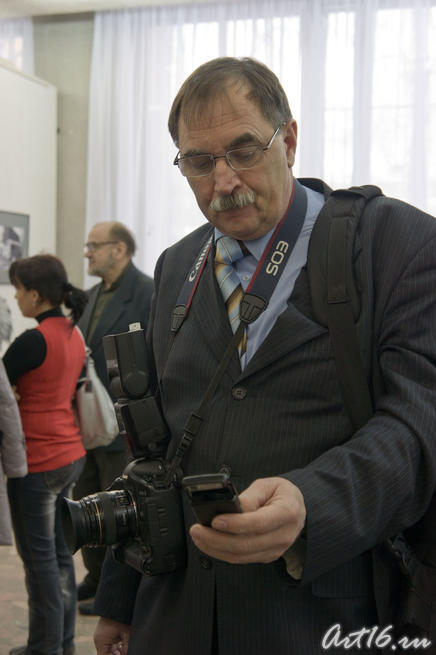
293	328
84	321
114	308
210	315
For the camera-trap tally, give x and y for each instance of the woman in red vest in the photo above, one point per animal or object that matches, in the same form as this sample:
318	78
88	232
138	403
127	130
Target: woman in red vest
44	364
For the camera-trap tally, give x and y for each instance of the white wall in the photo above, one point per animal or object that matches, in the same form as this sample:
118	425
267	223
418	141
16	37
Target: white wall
28	164
63	46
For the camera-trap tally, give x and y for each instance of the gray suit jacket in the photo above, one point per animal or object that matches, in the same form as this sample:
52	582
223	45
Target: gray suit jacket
130	304
13	461
284	415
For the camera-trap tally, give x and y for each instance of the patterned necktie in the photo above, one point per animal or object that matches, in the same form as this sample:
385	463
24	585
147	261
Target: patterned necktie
229	251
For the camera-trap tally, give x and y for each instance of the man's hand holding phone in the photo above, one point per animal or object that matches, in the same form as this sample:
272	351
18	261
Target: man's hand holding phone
273	516
211	494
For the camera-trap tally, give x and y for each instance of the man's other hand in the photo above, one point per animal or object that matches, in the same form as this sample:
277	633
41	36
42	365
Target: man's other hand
111	637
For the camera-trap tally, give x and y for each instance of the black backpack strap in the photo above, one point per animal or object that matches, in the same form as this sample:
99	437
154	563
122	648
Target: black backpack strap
337	303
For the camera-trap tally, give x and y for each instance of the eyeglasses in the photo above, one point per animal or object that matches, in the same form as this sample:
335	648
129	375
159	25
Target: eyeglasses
240	159
94	245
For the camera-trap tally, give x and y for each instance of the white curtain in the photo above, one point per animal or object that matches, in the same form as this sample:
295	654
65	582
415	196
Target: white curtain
360	76
16	43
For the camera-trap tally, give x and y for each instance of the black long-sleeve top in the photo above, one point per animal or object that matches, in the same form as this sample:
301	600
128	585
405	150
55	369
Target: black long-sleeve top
28	350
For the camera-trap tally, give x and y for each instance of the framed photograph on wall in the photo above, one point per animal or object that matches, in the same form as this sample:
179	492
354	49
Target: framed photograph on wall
14	240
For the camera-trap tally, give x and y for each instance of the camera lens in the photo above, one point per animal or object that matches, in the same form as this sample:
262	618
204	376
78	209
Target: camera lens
101	519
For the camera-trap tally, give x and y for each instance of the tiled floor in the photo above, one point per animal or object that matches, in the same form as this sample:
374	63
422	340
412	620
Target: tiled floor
13	606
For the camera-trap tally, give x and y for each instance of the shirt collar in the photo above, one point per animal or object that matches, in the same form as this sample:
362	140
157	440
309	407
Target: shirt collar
255	247
116	283
49	313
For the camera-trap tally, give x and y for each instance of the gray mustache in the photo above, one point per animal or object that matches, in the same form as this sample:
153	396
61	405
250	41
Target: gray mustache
235	200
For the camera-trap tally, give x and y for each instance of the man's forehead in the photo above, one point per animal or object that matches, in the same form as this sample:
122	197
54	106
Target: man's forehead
232	100
226	120
99	231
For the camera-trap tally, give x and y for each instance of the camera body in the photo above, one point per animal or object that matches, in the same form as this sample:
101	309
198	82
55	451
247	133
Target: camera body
141	514
159	542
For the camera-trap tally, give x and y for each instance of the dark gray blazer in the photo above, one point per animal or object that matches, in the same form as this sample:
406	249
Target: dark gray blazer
130	304
284	415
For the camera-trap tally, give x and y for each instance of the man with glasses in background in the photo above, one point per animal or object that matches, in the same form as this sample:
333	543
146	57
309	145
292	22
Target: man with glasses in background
292	574
122	297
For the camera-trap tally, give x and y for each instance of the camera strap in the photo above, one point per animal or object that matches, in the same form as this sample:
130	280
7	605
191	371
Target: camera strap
253	303
266	275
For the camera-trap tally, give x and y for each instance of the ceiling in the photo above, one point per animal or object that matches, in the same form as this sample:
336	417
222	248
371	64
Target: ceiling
21	8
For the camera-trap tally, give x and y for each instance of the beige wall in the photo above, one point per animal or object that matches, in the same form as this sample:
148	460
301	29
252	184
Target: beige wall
63	47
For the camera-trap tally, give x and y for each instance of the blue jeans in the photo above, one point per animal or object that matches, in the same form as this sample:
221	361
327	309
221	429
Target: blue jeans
35	502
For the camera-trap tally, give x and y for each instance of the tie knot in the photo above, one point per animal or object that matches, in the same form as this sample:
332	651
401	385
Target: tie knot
228	250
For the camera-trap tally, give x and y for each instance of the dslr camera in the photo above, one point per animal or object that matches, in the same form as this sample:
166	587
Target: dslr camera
141	514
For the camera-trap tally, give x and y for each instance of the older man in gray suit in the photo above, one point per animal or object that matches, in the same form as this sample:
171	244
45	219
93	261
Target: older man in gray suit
291	574
122	297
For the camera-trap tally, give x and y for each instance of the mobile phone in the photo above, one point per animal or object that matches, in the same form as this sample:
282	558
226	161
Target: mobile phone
211	494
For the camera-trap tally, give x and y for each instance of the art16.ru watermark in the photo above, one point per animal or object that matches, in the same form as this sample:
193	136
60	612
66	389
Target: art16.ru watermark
366	638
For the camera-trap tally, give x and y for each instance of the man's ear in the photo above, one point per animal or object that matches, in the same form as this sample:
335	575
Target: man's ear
121	249
290	134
